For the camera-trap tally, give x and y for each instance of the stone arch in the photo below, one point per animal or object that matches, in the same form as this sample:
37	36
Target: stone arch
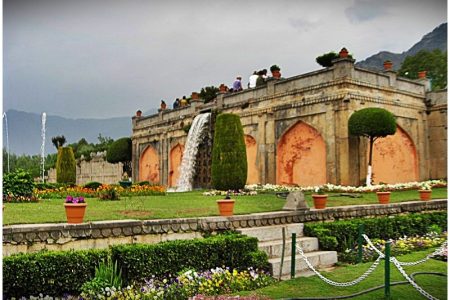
175	157
252	168
301	156
149	165
395	158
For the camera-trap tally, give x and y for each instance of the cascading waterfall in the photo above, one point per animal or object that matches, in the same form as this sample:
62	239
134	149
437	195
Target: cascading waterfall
7	138
194	138
44	119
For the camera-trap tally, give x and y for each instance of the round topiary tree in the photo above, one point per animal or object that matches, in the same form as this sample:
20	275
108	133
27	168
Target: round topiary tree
120	151
229	158
66	166
372	123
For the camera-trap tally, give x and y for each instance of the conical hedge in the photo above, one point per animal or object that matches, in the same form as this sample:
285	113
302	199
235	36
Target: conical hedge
229	158
66	166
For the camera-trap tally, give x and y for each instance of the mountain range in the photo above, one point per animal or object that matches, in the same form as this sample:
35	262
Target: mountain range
437	39
24	129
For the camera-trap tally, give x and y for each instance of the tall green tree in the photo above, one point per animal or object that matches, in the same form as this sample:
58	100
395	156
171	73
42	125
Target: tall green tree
120	151
229	159
208	93
372	123
434	62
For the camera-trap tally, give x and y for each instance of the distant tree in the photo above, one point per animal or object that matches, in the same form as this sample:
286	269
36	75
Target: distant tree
120	151
229	159
208	93
434	62
58	141
372	123
31	164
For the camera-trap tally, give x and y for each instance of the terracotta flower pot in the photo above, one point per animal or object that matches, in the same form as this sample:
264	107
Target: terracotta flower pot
320	201
425	195
75	212
384	197
343	53
226	207
422	74
387	65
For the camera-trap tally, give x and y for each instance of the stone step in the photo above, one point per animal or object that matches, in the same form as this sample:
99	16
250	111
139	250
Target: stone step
274	232
274	248
319	259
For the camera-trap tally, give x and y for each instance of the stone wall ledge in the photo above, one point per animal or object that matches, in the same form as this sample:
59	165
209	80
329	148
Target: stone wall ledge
130	231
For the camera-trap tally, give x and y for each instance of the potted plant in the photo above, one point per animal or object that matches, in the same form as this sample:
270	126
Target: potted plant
383	195
226	206
275	71
75	208
425	191
319	198
387	65
343	53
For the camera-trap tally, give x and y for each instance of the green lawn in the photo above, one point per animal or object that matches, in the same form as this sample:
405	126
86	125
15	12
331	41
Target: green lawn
176	205
315	287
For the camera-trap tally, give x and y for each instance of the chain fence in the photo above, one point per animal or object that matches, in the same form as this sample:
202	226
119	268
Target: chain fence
381	256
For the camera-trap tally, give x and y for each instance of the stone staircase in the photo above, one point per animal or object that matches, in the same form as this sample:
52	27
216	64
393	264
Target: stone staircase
271	241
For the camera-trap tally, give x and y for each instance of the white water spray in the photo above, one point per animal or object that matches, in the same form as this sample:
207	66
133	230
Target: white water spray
7	137
44	119
194	138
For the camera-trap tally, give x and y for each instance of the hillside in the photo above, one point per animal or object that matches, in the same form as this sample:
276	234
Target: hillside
437	39
25	130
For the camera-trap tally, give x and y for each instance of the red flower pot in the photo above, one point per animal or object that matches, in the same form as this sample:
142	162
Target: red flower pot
384	197
425	195
75	212
226	207
320	201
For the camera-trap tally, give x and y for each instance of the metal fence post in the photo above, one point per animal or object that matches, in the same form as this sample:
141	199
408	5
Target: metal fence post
294	242
387	274
360	242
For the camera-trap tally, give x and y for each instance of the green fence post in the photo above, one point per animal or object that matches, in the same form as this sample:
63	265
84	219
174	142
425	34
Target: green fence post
294	242
360	242
387	274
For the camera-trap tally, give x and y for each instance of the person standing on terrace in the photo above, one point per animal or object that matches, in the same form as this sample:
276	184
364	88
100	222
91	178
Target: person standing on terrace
237	84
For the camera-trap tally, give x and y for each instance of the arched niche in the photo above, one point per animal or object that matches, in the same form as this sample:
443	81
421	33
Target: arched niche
149	165
175	156
252	168
395	159
301	156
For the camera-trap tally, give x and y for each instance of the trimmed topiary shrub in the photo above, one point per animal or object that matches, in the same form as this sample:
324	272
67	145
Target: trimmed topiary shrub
66	166
54	273
229	158
372	123
51	273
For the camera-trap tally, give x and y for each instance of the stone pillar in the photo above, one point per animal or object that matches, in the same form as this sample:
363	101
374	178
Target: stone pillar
343	68
343	160
422	146
261	142
164	161
134	159
271	142
332	160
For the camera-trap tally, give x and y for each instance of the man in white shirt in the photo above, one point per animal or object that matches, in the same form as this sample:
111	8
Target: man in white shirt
252	80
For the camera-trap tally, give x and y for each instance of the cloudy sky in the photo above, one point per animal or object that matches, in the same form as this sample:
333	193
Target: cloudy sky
108	58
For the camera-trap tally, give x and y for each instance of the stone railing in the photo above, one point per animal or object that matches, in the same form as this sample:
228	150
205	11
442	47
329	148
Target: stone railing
101	234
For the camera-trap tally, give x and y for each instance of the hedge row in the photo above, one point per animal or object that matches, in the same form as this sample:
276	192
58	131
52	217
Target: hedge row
342	235
54	273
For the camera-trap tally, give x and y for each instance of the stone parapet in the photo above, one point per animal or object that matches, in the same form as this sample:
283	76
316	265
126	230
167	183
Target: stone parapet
102	234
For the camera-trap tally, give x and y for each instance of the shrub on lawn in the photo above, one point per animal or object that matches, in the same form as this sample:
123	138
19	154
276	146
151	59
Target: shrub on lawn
65	166
54	273
93	185
342	235
18	186
229	159
49	272
140	261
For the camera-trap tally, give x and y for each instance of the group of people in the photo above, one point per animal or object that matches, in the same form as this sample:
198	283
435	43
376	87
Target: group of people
180	102
258	78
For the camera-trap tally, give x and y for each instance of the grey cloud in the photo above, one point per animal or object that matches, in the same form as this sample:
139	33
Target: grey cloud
365	10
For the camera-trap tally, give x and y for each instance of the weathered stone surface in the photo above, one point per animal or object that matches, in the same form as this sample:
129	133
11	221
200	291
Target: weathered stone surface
295	201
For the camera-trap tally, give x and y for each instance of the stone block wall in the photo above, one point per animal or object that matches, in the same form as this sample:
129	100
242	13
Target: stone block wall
96	169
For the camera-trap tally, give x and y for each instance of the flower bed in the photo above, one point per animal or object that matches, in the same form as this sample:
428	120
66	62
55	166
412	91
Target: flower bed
77	191
400	246
346	189
213	282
